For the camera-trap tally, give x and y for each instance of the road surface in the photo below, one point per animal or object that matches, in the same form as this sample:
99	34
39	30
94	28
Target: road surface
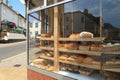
12	49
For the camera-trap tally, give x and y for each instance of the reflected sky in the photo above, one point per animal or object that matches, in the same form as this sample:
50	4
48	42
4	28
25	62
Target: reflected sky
80	5
111	12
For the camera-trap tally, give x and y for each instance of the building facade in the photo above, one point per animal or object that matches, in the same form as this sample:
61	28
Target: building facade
7	13
21	21
35	29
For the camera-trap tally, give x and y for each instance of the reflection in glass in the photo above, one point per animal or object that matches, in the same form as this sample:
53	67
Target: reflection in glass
81	15
111	19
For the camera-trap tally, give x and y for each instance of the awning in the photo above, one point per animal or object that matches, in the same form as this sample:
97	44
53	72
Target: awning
3	23
12	25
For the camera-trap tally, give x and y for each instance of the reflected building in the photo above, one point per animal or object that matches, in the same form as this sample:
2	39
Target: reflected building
81	21
111	32
35	29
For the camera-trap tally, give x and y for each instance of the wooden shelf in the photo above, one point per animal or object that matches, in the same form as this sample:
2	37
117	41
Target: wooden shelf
48	39
46	48
80	52
82	64
45	57
82	39
112	69
116	52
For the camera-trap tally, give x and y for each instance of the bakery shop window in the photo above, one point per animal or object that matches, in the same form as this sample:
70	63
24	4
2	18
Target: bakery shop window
111	18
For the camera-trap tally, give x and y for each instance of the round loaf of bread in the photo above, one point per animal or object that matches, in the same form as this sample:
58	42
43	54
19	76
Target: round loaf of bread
85	34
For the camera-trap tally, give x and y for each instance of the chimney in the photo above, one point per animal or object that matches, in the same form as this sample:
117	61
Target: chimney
86	11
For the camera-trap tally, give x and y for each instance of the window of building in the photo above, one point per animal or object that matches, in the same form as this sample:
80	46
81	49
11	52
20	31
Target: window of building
36	25
82	19
13	16
67	19
66	27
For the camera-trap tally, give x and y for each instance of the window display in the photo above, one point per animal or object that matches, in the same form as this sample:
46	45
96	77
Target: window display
70	43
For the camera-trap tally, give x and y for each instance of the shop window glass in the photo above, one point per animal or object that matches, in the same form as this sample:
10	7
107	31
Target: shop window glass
111	19
84	15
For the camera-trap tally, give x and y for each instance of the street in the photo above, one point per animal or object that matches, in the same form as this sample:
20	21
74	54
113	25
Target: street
11	49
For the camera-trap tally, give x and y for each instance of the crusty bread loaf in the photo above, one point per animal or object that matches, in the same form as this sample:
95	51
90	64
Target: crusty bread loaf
97	47
79	59
61	45
72	58
73	46
85	34
45	35
88	60
44	67
63	57
74	36
51	68
39	61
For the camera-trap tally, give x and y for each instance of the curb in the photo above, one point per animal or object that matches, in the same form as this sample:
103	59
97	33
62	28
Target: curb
9	44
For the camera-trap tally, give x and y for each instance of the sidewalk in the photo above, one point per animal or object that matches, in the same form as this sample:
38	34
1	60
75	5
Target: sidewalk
14	68
10	44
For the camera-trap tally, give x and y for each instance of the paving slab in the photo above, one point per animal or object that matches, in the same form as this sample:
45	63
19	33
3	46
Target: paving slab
14	68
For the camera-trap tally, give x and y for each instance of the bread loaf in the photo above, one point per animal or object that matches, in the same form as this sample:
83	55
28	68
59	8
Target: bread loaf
39	61
97	48
88	60
96	62
45	35
79	59
63	57
51	68
84	48
85	34
72	58
61	45
73	46
74	36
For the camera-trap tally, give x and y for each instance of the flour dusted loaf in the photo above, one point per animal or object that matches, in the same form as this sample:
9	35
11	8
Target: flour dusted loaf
39	61
86	34
72	58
